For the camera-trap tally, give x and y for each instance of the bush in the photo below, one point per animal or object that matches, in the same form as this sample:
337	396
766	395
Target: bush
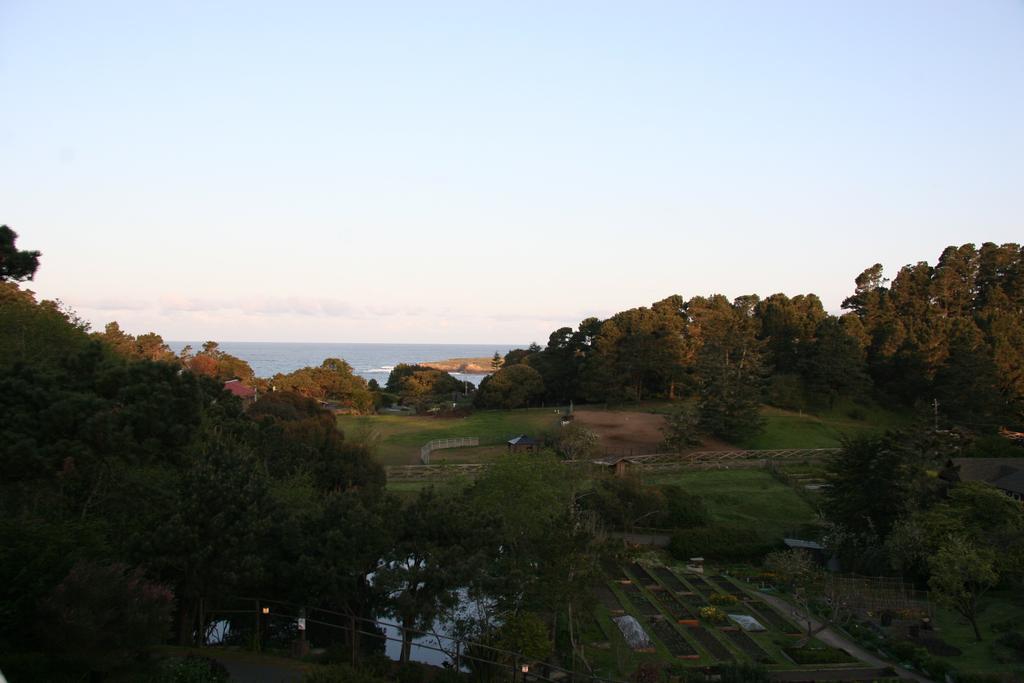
805	655
340	673
742	673
685	510
723	599
102	614
1013	640
192	669
411	672
36	666
718	542
712	614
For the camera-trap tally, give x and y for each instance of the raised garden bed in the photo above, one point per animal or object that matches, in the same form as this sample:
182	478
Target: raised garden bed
608	599
639	600
641	574
713	645
677	646
769	617
669	579
826	655
732	587
613	571
700	585
747	644
677	609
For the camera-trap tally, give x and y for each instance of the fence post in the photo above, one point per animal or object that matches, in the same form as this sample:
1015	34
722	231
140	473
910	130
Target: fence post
256	644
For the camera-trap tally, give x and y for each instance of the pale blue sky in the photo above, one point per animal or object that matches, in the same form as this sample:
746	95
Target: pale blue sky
482	171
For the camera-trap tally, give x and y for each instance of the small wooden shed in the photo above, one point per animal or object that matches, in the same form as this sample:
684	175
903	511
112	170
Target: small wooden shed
523	442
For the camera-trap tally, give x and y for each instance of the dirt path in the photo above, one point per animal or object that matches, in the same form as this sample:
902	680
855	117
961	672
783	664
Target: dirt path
831	636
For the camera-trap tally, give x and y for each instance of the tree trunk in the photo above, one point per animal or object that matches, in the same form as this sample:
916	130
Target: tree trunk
406	643
974	625
184	624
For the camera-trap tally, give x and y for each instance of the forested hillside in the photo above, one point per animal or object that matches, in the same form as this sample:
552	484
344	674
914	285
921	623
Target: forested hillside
952	333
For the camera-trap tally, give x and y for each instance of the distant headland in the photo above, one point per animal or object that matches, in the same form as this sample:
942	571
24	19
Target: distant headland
467	366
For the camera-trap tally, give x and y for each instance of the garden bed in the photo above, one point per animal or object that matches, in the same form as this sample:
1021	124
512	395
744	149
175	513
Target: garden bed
818	655
614	571
747	644
732	587
673	606
700	585
677	646
713	645
641	574
669	579
769	617
607	598
639	600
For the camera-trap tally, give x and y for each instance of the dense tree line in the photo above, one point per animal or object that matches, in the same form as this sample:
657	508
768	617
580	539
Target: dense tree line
953	332
886	514
136	492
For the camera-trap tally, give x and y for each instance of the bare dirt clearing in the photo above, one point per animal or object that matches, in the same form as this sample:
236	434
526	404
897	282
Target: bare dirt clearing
624	432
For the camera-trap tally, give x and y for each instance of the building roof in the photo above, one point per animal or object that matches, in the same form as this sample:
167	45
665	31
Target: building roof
1003	473
799	543
240	390
522	440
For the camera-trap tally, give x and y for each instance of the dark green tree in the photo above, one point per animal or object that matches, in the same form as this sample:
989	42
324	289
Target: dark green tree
15	265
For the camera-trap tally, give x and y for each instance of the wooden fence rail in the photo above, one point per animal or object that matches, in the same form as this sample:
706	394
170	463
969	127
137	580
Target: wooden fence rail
658	462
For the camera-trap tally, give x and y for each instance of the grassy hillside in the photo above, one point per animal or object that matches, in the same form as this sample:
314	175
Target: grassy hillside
400	436
745	498
790	429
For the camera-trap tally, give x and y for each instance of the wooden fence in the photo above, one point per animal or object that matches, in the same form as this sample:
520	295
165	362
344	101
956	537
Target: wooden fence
438	444
658	462
697	460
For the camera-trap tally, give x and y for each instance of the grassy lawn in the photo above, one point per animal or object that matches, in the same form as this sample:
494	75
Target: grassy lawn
744	498
987	656
790	429
401	436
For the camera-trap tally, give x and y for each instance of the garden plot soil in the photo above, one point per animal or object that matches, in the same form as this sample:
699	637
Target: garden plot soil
670	579
677	645
677	609
747	644
639	600
700	585
614	571
642	575
608	599
732	587
772	619
713	645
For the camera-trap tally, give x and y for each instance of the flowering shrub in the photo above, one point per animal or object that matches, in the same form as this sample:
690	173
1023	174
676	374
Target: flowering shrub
723	599
712	614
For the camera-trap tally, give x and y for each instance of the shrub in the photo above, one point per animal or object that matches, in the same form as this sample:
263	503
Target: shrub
805	655
712	614
1013	640
720	542
103	613
742	673
723	599
685	510
411	672
192	669
340	673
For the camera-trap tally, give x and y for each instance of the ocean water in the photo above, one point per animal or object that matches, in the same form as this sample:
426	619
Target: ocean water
371	361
